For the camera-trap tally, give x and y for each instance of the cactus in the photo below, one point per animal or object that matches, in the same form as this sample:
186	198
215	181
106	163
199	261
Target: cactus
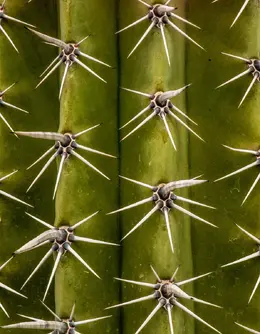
169	92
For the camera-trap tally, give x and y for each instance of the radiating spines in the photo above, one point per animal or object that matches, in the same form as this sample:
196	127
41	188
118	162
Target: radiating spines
65	146
248	257
7	288
5	194
3	17
161	105
61	326
68	55
167	293
164	200
256	154
247	328
159	16
3	103
253	68
61	240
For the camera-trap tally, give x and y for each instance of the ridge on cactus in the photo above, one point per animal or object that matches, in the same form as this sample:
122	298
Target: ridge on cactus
164	199
59	326
167	292
3	286
61	239
65	146
248	257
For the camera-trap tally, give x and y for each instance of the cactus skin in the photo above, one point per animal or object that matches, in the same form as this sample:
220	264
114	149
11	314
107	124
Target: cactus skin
147	156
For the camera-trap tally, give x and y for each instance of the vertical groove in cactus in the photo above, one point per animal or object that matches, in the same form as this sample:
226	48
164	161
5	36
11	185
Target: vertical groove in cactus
222	123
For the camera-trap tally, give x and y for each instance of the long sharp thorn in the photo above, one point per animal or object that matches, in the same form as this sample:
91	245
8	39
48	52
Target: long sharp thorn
183	183
204	302
51	64
135	117
246	258
154	209
177	207
46	256
92	58
89	164
133	24
236	57
14	198
43	169
165	43
137	182
193	202
183	20
8	125
185	125
155	273
169	311
149	285
248	89
95	151
5	264
235	78
83	220
184	34
51	312
4	310
11	290
7	89
247	233
67	64
166	217
49	73
193	279
240	150
144	3
91	320
174	274
251	189
6	176
30	318
88	69
140	125
86	130
168	131
78	257
82	40
185	309
142	38
240	12
41	157
9	39
247	328
146	200
13	107
183	114
49	39
42	135
167	2
60	327
255	163
163	97
132	301
254	290
137	92
17	21
56	263
154	311
39	220
93	241
63	157
72	311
